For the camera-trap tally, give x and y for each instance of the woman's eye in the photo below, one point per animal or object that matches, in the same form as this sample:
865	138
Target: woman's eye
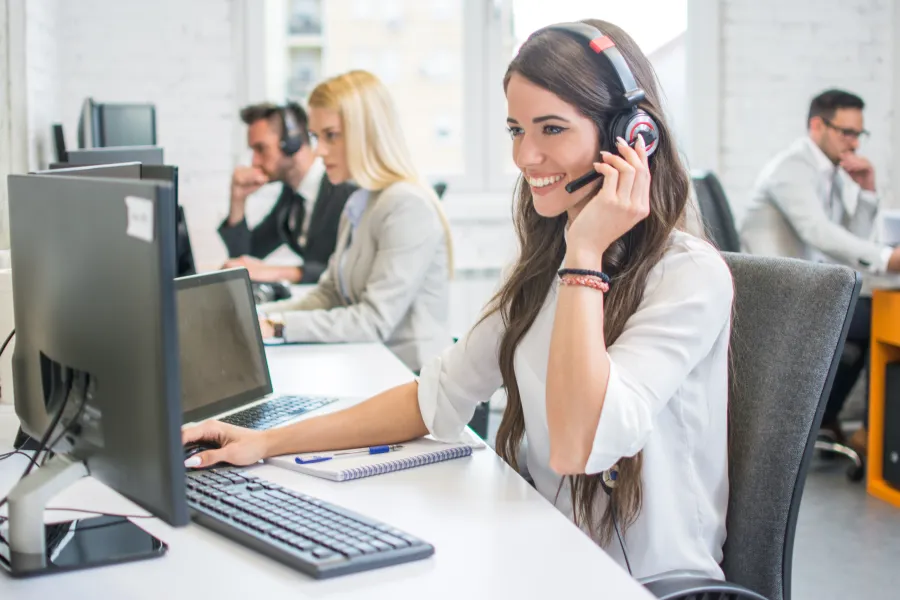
553	129
514	131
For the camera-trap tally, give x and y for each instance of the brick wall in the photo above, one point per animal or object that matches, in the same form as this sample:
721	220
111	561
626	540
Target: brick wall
777	55
179	55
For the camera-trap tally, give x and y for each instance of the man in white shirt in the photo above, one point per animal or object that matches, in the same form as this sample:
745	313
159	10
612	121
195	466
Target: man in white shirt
817	200
305	218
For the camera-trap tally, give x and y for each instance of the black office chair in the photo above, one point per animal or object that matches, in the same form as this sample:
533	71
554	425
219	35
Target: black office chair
715	212
790	321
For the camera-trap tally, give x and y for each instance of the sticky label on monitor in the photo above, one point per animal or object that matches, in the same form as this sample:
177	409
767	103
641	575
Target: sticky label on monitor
140	218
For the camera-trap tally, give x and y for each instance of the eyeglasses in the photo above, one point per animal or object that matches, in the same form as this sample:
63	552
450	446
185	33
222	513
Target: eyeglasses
847	133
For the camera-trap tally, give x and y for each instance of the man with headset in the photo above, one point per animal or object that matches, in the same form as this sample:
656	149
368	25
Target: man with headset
817	201
307	213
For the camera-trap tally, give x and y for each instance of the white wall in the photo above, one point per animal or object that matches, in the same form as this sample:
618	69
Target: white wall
13	101
670	61
186	57
768	59
43	78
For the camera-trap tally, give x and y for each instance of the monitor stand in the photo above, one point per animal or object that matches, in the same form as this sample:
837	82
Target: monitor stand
29	548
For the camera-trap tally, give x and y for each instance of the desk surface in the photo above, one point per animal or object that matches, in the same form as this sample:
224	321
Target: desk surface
495	536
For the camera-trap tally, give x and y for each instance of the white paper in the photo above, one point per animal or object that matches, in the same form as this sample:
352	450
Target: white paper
140	218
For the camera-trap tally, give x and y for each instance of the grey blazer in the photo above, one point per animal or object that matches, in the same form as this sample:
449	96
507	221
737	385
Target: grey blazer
787	217
397	277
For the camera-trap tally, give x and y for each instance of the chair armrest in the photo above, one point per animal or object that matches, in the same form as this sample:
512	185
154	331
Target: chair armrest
682	584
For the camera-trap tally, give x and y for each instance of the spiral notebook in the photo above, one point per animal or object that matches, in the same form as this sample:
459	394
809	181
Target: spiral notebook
417	453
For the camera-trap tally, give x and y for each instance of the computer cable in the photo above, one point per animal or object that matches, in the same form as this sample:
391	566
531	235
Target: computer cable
42	444
8	340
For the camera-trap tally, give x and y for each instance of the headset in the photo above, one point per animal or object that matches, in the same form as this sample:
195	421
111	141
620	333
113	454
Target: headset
291	131
631	121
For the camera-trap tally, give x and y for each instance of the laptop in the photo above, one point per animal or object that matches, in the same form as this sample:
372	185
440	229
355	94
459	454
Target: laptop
224	372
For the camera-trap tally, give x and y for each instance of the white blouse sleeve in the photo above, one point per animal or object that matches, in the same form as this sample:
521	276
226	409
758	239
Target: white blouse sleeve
452	384
674	328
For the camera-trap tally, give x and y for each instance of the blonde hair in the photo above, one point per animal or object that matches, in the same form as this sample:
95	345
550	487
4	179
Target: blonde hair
377	154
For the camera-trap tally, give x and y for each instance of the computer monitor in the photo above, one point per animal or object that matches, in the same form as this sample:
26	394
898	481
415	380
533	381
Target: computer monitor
184	254
146	155
59	143
96	363
119	124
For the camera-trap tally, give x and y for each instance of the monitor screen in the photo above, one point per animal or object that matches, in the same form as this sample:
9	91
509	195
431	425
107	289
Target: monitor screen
222	356
127	125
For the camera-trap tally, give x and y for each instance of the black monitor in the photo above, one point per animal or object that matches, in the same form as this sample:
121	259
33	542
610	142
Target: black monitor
146	155
59	143
184	254
116	124
96	364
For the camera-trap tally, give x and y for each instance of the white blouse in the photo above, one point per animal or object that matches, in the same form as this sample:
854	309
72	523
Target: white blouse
667	396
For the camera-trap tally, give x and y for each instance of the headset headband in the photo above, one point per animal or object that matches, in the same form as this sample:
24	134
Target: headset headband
602	44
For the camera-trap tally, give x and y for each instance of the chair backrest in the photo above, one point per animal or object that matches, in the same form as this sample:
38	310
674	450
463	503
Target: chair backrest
789	325
715	212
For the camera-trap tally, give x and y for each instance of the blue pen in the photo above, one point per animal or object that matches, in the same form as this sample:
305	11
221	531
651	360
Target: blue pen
371	450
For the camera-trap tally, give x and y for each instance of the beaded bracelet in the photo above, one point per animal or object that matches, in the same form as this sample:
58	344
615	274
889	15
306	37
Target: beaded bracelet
586	272
590	281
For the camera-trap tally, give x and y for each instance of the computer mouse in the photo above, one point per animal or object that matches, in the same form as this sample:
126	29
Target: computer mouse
192	448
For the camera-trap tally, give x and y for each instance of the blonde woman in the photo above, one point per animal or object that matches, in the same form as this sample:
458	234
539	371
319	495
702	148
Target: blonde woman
388	279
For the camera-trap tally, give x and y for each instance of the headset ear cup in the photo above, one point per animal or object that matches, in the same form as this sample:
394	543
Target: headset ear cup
617	127
290	146
640	122
291	141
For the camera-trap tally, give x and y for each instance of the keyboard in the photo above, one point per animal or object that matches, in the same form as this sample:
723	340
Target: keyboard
275	411
305	533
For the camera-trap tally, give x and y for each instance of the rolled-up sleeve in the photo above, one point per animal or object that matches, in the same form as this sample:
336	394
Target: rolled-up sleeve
674	328
452	384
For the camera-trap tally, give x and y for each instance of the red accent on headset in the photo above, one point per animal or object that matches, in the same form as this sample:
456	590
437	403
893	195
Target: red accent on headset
600	44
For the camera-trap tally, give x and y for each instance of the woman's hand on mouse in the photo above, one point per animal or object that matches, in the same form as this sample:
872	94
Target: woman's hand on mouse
622	202
238	446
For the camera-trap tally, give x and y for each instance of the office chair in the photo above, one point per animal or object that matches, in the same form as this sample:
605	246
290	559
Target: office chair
715	212
790	321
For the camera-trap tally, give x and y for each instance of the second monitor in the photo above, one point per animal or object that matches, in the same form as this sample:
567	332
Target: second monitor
184	255
147	155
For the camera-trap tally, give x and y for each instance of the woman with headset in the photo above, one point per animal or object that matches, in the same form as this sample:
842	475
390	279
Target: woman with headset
610	332
388	279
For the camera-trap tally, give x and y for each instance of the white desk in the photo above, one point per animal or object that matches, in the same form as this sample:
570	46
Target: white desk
494	535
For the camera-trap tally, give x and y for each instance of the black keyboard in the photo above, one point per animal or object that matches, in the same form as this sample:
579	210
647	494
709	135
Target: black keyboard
275	411
307	534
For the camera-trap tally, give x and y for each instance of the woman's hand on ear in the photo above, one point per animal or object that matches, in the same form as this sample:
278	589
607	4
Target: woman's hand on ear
622	202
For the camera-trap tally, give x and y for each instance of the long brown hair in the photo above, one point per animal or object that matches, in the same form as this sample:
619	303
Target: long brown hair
564	66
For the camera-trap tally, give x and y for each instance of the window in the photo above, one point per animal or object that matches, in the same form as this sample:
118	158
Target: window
305	68
444	61
416	47
305	17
